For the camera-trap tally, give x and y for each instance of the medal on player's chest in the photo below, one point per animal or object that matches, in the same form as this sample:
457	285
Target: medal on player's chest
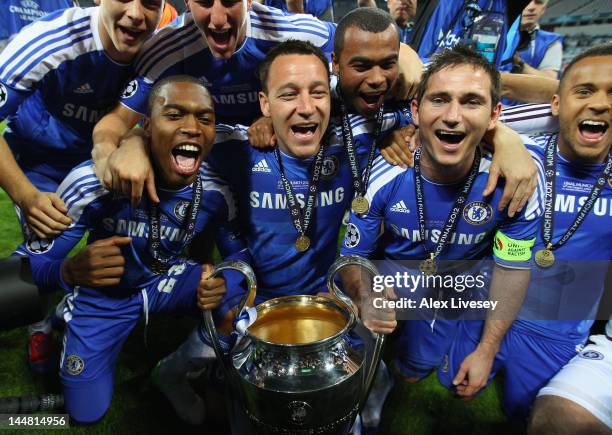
161	261
545	258
302	243
359	204
429	266
301	217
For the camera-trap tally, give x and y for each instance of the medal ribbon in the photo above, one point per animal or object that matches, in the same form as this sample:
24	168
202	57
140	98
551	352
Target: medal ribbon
455	212
162	261
360	185
301	217
550	165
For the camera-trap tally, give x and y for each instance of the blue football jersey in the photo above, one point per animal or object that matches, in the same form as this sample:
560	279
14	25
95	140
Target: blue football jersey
570	290
265	220
180	48
17	14
313	7
52	91
446	27
92	208
391	195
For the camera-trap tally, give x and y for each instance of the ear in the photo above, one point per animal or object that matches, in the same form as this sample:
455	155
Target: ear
556	101
495	116
335	64
414	108
146	126
264	104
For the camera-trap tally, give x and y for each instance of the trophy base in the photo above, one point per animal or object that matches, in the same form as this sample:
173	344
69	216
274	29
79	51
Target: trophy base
341	426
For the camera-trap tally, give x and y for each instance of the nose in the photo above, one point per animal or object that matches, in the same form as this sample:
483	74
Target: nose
218	15
135	11
305	107
600	102
189	126
452	114
376	78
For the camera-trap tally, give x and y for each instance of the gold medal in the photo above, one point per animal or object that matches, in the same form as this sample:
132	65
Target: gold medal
302	243
360	205
429	266
545	258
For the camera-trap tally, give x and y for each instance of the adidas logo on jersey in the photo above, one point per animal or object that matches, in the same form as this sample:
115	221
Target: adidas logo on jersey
261	166
84	89
400	207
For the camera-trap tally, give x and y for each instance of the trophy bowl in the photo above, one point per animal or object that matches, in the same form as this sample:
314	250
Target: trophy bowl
300	368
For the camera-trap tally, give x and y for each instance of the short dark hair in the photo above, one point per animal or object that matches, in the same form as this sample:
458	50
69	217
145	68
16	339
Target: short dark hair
286	48
371	20
181	78
461	55
598	50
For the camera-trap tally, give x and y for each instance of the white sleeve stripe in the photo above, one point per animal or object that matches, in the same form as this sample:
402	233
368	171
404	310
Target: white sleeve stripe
174	41
191	46
73	179
267	33
297	22
384	179
18	54
236	134
227	195
22	76
76	210
525	108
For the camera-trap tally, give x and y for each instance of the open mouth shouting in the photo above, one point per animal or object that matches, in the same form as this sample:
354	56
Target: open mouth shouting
186	158
592	130
372	100
450	139
130	34
219	39
305	131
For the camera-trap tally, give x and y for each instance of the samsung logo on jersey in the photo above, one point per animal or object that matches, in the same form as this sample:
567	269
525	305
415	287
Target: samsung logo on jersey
278	201
140	229
83	113
240	98
434	235
569	204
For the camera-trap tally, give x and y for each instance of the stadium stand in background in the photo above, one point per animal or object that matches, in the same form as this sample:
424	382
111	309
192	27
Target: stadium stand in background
582	23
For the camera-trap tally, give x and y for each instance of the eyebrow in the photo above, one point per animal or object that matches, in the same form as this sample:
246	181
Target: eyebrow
292	85
185	109
368	60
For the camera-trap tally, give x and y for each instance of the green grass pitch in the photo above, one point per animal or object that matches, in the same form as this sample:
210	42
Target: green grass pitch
420	409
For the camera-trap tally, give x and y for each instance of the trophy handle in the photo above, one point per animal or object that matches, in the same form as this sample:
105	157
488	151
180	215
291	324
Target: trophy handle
379	339
246	302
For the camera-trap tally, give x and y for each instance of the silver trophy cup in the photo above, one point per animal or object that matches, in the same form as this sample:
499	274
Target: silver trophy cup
299	369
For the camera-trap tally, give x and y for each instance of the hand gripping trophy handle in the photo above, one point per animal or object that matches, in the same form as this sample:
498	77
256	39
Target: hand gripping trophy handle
246	302
379	339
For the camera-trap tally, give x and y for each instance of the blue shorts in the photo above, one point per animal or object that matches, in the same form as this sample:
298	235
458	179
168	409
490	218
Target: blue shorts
528	361
97	325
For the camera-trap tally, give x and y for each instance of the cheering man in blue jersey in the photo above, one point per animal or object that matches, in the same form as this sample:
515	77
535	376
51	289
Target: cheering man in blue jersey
222	44
573	246
151	273
437	211
57	78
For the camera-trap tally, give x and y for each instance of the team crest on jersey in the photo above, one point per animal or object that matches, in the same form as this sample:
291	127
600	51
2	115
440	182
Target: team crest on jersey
74	365
37	245
477	213
352	236
609	178
130	89
591	354
180	209
3	95
330	167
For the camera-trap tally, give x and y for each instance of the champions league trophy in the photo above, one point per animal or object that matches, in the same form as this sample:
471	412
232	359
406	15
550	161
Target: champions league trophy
296	370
